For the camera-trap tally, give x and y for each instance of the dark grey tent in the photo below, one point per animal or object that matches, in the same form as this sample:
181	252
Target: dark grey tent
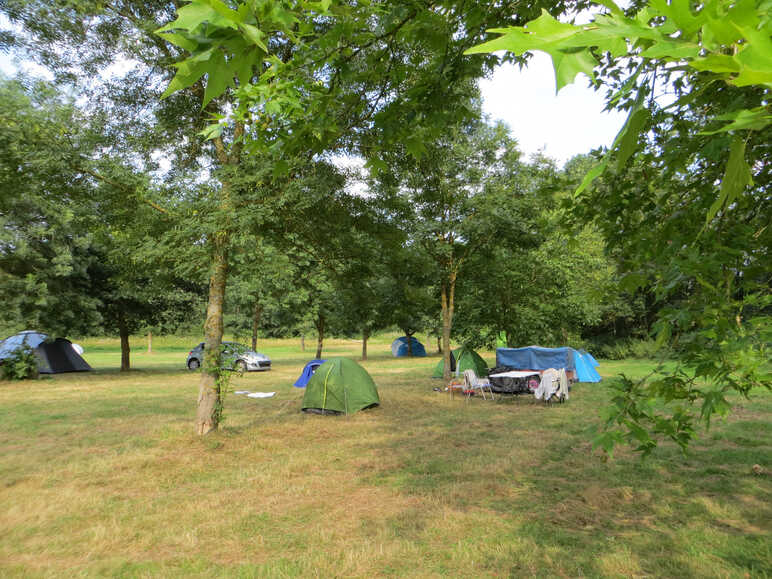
59	356
54	356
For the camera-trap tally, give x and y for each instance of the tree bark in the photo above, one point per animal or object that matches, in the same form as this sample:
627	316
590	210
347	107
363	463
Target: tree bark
123	332
256	322
320	335
209	401
365	337
448	295
409	344
303	343
150	342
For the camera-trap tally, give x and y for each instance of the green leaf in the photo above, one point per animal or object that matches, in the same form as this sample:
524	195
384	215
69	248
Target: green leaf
672	50
568	65
219	78
181	41
736	177
254	35
223	10
211	131
745	119
591	175
628	136
245	65
187	74
191	16
718	63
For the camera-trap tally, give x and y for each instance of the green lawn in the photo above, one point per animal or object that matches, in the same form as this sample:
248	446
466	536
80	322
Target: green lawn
103	475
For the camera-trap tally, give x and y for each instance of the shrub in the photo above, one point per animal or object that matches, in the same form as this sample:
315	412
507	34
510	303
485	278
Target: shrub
21	365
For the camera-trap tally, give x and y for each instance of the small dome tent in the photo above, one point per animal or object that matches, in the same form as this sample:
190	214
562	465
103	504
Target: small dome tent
340	386
461	359
399	347
307	372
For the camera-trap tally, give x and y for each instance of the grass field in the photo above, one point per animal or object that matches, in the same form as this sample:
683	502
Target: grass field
102	475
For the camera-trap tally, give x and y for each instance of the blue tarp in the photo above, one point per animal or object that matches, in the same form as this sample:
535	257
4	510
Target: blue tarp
537	358
399	347
307	372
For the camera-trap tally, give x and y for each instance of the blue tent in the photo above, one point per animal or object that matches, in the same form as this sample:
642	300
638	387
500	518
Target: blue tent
537	358
307	372
589	357
585	371
399	347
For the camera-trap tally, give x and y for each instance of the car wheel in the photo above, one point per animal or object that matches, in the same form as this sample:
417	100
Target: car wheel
241	366
194	364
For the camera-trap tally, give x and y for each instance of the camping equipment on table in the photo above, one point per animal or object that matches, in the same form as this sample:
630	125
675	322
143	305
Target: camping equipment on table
462	359
399	347
506	381
340	386
307	372
578	367
53	357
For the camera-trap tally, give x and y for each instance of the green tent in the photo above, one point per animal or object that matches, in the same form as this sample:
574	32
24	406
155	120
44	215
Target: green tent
340	386
462	359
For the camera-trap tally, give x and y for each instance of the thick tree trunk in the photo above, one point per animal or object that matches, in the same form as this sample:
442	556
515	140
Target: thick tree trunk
256	322
320	335
448	295
150	342
123	332
365	337
209	402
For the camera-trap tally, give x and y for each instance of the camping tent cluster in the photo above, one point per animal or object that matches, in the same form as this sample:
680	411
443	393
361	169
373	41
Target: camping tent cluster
338	386
580	363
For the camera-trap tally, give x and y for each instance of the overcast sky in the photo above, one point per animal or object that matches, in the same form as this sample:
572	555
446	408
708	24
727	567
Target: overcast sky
562	125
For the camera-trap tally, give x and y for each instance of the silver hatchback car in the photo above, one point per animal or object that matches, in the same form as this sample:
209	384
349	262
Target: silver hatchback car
234	357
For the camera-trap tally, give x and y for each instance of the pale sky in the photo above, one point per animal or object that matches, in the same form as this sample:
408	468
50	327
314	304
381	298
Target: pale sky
562	125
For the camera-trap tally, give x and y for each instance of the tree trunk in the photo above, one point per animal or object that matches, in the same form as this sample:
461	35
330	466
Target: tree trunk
365	337
439	344
320	335
256	322
149	342
303	343
209	402
409	344
448	295
123	332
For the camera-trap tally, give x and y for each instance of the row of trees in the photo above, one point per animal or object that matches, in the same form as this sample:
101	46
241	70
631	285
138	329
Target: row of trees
257	97
472	228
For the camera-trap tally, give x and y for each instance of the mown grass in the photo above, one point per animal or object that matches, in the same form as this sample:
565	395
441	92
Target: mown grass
102	475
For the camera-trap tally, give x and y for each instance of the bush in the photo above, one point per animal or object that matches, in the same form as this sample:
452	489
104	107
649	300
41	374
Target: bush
625	348
21	365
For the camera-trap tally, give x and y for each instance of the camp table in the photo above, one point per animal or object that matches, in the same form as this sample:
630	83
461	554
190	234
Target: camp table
513	381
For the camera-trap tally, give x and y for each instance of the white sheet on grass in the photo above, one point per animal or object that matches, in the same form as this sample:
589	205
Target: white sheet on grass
261	395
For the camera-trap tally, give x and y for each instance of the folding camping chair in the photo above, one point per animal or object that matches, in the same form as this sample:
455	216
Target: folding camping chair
472	383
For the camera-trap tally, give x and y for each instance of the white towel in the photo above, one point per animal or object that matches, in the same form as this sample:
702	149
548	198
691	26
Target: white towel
261	394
